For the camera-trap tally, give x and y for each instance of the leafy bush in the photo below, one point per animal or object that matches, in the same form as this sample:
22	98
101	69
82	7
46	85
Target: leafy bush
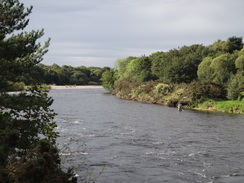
108	80
162	88
235	87
199	91
125	86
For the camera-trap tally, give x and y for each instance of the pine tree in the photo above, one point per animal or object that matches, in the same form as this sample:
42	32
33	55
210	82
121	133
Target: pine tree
28	151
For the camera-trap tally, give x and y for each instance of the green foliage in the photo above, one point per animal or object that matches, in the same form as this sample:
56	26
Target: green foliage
217	70
121	66
123	87
177	66
162	88
241	97
223	106
224	59
233	90
135	68
223	66
108	80
235	87
205	72
214	64
217	48
188	75
220	47
234	44
230	106
193	95
190	95
156	61
13	16
200	91
68	75
239	63
28	151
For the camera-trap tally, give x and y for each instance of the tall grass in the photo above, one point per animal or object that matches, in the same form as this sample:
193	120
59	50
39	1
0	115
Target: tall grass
230	106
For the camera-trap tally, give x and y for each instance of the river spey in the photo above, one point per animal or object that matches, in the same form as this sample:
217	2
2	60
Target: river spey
147	143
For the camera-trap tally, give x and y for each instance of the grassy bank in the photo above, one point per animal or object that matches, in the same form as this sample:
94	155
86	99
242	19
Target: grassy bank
222	106
200	96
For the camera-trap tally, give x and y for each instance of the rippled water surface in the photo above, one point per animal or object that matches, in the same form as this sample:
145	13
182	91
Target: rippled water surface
147	143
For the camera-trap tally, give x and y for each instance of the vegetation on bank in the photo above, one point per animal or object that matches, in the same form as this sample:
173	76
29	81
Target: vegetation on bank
200	96
223	106
68	75
58	75
190	75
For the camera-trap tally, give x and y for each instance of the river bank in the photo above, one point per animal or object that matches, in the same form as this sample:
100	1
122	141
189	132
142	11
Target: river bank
227	106
235	107
197	96
167	95
55	87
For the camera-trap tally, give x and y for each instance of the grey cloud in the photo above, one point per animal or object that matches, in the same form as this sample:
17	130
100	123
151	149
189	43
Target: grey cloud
100	31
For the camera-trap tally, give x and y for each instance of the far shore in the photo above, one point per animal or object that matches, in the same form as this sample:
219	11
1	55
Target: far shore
55	87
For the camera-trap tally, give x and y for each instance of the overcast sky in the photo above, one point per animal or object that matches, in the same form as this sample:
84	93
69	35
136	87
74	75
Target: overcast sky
98	32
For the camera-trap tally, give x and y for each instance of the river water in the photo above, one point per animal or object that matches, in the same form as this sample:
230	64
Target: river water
146	143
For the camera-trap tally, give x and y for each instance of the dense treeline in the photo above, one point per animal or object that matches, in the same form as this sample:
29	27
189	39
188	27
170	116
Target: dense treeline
68	75
221	63
58	75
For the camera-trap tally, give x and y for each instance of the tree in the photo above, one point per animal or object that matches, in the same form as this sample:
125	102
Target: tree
220	47
234	43
108	80
217	48
78	78
27	136
239	63
217	70
204	71
139	69
18	53
121	66
157	62
182	65
95	75
223	66
235	87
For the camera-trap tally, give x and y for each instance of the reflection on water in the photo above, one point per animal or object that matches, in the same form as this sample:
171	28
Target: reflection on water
149	143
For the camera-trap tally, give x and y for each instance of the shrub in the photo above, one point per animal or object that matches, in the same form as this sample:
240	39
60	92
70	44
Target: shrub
162	88
125	86
108	80
201	91
235	87
241	97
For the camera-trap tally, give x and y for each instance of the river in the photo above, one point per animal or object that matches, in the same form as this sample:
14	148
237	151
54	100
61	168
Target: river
146	143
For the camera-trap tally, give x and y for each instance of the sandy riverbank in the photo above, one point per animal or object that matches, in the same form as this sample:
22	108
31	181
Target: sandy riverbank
54	87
